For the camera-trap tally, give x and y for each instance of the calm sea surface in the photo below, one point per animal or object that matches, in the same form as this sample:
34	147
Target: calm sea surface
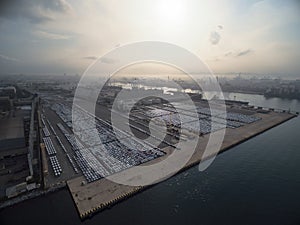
256	182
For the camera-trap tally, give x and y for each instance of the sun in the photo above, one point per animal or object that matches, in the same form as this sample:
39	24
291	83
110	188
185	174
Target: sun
172	11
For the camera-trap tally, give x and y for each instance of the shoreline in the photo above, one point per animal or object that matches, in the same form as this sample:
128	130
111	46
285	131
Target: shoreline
32	195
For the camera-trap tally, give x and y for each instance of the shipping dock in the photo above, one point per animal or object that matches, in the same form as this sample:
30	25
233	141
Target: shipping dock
95	196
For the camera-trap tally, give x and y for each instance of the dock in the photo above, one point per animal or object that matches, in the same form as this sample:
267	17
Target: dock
101	194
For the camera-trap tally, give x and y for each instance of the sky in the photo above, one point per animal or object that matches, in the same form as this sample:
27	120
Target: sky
65	36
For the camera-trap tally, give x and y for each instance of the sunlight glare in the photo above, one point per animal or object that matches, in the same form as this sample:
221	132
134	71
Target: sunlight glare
171	10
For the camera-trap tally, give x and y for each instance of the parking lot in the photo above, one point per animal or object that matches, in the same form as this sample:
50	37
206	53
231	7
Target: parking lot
95	151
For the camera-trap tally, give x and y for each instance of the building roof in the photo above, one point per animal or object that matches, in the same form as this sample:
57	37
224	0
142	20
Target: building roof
11	128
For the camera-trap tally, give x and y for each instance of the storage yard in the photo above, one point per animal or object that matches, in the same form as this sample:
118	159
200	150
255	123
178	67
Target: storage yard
84	159
103	193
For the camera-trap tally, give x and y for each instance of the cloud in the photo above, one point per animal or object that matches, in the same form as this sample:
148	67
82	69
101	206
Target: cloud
245	52
228	54
108	60
32	10
103	60
90	57
7	58
214	38
238	53
53	36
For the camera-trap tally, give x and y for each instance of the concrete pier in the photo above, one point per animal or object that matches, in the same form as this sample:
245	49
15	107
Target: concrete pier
103	193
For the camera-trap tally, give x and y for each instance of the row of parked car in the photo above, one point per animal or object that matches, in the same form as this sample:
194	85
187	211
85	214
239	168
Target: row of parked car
49	146
55	165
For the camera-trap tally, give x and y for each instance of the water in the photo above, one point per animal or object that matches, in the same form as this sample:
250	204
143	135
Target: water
260	100
256	182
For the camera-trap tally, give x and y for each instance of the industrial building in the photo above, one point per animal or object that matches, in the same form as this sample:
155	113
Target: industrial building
9	91
19	157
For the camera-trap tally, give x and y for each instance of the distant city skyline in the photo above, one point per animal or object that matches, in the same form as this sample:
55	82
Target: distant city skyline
60	36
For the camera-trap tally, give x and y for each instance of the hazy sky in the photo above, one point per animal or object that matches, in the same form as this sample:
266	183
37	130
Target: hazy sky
60	36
